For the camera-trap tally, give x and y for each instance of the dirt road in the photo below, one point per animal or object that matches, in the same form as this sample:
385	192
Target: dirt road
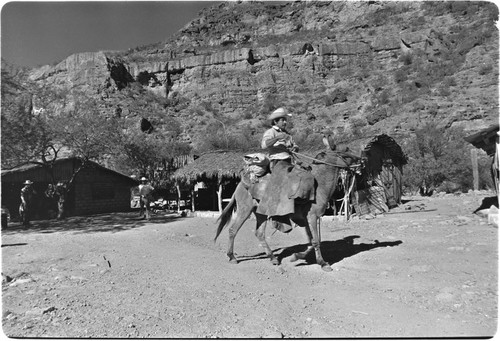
429	270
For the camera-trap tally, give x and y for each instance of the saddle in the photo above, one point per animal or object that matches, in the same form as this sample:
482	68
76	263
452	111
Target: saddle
294	183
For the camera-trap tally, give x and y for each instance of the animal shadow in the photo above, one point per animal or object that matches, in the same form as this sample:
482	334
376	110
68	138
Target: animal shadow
487	203
336	250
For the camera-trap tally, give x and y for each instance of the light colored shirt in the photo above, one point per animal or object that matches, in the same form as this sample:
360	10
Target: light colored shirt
145	190
27	194
277	153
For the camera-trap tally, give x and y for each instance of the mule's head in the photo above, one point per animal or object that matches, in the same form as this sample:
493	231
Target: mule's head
338	155
339	159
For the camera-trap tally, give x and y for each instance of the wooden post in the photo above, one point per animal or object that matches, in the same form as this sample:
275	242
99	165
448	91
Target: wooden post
219	197
192	200
178	197
475	170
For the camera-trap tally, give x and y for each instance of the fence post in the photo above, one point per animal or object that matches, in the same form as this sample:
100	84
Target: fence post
219	197
178	197
475	170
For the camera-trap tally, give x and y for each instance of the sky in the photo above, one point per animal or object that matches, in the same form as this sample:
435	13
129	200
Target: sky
37	33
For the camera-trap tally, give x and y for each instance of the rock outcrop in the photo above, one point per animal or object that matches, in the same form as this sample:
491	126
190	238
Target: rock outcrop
362	68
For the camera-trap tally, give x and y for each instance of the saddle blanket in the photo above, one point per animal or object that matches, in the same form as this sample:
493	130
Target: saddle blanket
278	191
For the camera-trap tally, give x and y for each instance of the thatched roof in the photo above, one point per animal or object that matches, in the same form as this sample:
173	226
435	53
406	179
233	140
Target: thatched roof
363	146
212	165
391	145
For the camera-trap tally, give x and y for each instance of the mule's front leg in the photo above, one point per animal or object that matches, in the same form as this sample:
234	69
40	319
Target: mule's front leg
260	233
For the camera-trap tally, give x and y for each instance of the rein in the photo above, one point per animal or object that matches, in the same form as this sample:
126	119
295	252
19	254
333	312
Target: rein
326	163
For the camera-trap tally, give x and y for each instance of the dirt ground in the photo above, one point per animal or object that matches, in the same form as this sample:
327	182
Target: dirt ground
426	269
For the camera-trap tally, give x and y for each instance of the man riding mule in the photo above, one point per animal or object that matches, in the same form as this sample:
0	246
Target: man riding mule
277	201
314	193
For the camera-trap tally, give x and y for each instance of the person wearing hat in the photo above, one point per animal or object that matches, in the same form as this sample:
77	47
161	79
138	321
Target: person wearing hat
146	195
278	144
60	193
26	206
276	141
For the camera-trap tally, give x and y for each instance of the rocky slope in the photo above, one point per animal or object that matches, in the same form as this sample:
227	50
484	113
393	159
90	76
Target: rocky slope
360	68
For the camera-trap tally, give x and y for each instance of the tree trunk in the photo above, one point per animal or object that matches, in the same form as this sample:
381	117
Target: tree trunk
475	170
178	198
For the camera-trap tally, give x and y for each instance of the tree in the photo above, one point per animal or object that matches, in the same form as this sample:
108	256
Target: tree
149	154
439	159
70	123
25	136
85	133
42	123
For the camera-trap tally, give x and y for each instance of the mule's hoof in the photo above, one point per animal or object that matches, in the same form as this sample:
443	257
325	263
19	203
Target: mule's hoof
293	258
275	261
233	261
326	268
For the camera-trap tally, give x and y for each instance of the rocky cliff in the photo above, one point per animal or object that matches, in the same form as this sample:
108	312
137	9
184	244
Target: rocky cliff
359	68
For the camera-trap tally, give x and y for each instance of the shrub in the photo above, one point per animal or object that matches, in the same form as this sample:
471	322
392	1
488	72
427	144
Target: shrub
384	97
401	75
271	102
406	59
449	81
248	114
358	122
444	90
485	69
440	158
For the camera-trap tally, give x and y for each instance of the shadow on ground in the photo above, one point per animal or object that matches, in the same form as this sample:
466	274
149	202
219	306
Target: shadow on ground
110	222
487	203
332	251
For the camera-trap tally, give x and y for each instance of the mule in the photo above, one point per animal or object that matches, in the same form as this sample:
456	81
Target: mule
326	170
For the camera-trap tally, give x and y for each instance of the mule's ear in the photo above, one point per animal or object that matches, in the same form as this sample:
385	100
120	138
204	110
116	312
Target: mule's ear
326	142
331	142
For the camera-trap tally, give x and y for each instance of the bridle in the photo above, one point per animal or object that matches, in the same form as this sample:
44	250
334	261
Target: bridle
354	167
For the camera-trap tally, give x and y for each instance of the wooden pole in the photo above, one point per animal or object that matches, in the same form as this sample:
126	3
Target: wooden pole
178	197
219	197
475	169
192	200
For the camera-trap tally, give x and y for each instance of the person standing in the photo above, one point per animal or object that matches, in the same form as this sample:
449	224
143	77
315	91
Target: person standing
60	192
26	206
145	192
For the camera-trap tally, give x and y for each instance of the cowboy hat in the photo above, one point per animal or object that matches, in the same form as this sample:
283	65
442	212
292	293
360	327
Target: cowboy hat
28	182
280	112
144	179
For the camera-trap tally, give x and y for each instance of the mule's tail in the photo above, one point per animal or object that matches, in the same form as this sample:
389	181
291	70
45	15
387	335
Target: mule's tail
225	216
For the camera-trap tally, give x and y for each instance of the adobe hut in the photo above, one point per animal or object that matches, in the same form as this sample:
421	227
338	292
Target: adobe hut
210	179
96	189
379	187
